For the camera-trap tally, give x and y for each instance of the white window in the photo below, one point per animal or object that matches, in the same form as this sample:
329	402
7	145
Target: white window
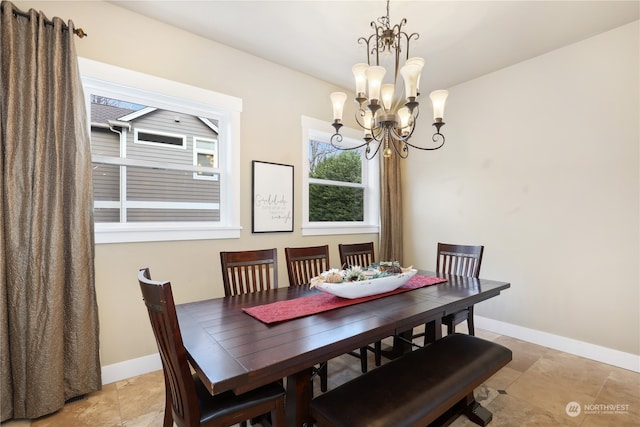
340	187
165	157
158	138
205	154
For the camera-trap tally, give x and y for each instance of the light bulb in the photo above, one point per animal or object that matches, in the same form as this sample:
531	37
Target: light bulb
386	92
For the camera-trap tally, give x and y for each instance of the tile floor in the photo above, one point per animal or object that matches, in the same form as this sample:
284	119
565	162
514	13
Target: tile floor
533	390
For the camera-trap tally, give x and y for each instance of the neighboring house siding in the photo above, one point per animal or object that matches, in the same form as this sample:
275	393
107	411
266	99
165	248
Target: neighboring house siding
106	178
164	121
104	142
175	186
155	185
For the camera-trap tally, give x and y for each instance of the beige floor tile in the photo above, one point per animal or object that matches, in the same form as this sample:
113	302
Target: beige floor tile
556	379
97	409
617	403
141	395
150	419
509	411
502	379
525	354
486	335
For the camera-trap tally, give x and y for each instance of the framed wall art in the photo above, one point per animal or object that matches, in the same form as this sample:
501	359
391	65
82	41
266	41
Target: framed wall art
272	197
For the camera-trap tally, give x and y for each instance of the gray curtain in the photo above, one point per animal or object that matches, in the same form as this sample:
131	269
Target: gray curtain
391	209
48	310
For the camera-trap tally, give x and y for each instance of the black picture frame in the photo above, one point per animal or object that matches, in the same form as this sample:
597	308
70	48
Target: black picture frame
271	197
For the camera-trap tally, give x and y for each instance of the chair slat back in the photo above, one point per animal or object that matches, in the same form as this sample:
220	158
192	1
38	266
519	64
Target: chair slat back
360	254
249	271
305	263
177	374
462	260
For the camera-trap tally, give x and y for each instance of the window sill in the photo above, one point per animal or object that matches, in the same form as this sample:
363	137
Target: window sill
331	229
130	233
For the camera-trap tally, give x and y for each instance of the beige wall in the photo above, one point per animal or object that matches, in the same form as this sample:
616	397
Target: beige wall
274	99
541	166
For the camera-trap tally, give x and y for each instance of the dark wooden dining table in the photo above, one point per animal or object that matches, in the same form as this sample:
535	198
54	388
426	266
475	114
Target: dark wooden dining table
231	350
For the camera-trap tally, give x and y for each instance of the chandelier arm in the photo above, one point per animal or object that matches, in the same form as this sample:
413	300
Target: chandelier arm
437	138
367	41
337	138
398	137
377	134
367	154
404	152
410	37
376	48
360	112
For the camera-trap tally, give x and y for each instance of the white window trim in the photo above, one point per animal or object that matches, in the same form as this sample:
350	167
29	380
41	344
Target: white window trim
197	151
201	102
313	129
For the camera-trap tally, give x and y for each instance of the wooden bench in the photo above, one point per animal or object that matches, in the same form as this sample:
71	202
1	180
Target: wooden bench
432	385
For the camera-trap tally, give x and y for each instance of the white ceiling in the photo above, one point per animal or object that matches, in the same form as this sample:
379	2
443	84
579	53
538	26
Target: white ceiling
460	40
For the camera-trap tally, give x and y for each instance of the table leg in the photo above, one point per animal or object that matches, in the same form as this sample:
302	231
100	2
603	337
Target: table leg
298	397
400	345
433	331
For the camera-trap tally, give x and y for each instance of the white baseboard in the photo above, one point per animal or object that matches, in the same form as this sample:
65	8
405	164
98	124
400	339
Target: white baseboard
145	364
131	368
568	345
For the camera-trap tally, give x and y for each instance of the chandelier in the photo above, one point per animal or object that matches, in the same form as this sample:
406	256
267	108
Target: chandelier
388	118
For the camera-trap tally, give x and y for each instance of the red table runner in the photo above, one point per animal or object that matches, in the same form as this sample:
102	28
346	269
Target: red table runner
300	307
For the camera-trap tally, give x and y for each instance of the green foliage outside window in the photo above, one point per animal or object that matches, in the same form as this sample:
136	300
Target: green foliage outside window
331	202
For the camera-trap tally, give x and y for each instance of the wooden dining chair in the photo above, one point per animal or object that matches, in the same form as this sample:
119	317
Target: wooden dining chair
461	260
303	264
362	255
188	402
249	271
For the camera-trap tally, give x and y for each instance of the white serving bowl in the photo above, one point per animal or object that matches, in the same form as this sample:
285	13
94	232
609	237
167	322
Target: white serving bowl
365	288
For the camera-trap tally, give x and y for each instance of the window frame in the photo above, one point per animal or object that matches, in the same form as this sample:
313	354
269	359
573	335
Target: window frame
137	140
100	78
318	130
205	151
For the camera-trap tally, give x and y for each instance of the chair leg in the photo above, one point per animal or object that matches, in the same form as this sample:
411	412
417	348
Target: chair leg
378	352
363	359
277	414
323	376
470	324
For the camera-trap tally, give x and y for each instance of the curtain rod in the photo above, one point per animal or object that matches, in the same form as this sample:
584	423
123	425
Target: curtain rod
78	31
